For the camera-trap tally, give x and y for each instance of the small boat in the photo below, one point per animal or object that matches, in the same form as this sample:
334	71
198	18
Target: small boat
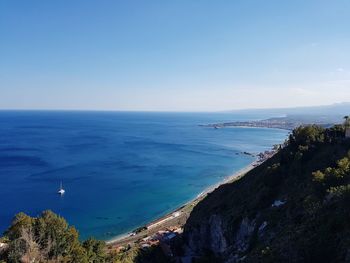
61	191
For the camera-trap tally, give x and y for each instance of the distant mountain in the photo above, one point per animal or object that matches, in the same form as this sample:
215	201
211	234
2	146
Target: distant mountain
337	110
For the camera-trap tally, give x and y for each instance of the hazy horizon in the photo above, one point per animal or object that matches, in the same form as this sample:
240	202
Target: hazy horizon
345	104
173	56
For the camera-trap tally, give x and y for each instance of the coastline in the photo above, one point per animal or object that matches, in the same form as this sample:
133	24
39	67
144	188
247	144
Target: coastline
177	217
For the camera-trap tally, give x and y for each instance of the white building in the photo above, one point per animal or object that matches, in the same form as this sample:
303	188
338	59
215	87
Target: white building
347	133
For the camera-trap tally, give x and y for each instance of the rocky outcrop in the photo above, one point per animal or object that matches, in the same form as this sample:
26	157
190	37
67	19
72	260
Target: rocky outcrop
208	236
243	235
211	237
218	241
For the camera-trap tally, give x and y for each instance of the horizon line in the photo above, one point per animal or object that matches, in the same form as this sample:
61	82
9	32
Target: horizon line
175	111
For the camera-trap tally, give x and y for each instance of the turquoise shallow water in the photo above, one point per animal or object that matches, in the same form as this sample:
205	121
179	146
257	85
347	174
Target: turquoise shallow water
120	169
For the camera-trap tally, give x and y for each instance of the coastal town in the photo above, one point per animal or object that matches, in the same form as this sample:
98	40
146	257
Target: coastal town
286	123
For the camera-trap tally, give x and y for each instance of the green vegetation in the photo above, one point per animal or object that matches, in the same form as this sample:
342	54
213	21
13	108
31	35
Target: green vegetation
136	255
311	175
48	238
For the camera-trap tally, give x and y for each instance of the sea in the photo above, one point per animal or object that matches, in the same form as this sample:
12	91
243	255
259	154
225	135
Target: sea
120	170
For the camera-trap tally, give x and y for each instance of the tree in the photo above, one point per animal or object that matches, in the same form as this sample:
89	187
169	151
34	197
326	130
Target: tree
307	135
95	250
32	249
21	220
53	228
47	237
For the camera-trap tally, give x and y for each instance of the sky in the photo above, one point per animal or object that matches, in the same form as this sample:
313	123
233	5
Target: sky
180	55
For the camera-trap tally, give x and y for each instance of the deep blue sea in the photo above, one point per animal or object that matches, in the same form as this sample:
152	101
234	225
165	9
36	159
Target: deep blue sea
119	169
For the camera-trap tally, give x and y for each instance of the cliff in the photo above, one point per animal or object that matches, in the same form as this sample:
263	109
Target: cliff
293	208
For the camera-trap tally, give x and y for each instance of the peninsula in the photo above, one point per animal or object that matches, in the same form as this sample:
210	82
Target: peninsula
286	123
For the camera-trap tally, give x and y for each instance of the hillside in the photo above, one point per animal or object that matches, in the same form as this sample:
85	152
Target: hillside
335	110
293	208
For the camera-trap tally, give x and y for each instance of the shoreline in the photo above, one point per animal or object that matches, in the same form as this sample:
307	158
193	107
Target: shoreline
178	216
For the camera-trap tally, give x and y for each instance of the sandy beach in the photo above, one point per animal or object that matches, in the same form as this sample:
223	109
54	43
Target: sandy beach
178	217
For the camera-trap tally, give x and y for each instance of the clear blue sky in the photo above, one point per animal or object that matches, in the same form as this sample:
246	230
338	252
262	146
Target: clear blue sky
190	55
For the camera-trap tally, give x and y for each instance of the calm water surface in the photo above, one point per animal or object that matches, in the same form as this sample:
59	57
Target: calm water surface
119	169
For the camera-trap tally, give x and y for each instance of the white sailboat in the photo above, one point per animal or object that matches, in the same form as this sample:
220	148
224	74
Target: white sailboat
61	191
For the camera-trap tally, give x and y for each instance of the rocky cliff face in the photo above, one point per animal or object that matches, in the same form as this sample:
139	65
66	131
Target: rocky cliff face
207	236
210	237
283	210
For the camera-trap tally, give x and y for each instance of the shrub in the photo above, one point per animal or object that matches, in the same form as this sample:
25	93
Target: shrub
49	238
